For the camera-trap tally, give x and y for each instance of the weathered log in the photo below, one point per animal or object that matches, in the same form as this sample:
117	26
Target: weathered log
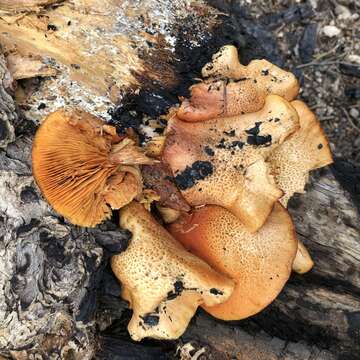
58	298
7	108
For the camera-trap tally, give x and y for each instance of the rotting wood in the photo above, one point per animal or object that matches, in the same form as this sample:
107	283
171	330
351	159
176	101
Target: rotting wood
18	6
7	106
95	46
52	273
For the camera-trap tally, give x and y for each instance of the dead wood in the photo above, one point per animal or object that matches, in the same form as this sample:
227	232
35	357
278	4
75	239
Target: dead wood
7	105
57	297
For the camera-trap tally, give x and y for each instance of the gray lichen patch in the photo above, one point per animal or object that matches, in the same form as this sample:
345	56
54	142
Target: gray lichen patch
45	270
7	108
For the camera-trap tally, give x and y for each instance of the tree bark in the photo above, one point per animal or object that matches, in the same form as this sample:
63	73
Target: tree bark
7	107
58	298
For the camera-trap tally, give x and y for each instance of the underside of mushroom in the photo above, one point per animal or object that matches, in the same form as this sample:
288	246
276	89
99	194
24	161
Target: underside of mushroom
83	168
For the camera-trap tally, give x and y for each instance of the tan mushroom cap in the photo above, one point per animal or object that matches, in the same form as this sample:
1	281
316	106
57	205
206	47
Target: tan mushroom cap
83	167
303	261
305	150
163	282
222	162
232	88
260	263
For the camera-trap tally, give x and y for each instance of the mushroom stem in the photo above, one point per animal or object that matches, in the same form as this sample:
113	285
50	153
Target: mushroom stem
303	261
84	168
168	215
127	153
155	146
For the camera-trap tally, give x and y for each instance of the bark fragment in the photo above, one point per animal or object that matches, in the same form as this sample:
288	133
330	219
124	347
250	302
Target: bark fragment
7	105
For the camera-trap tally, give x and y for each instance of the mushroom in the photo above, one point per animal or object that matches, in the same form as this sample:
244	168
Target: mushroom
158	177
303	261
305	150
84	168
222	162
154	147
259	263
168	214
163	283
231	88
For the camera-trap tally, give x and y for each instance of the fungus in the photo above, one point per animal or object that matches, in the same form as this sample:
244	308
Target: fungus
305	150
303	261
222	162
163	283
158	177
84	168
259	263
155	146
168	215
252	153
231	88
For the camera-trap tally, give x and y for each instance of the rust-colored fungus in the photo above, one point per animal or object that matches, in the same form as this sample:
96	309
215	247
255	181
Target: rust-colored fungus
232	156
260	263
163	283
158	177
222	162
231	89
305	150
83	168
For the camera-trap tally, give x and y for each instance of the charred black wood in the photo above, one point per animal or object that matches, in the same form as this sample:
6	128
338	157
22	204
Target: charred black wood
353	93
350	69
292	14
307	42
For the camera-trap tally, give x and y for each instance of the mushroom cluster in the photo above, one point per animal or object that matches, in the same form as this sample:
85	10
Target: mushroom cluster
231	157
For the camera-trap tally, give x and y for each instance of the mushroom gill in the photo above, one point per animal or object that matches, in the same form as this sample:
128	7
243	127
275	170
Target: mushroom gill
259	263
163	283
84	168
230	88
305	150
222	162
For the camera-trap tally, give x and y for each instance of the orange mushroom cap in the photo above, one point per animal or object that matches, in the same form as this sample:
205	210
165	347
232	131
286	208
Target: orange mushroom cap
259	263
232	89
222	162
305	150
163	282
84	168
